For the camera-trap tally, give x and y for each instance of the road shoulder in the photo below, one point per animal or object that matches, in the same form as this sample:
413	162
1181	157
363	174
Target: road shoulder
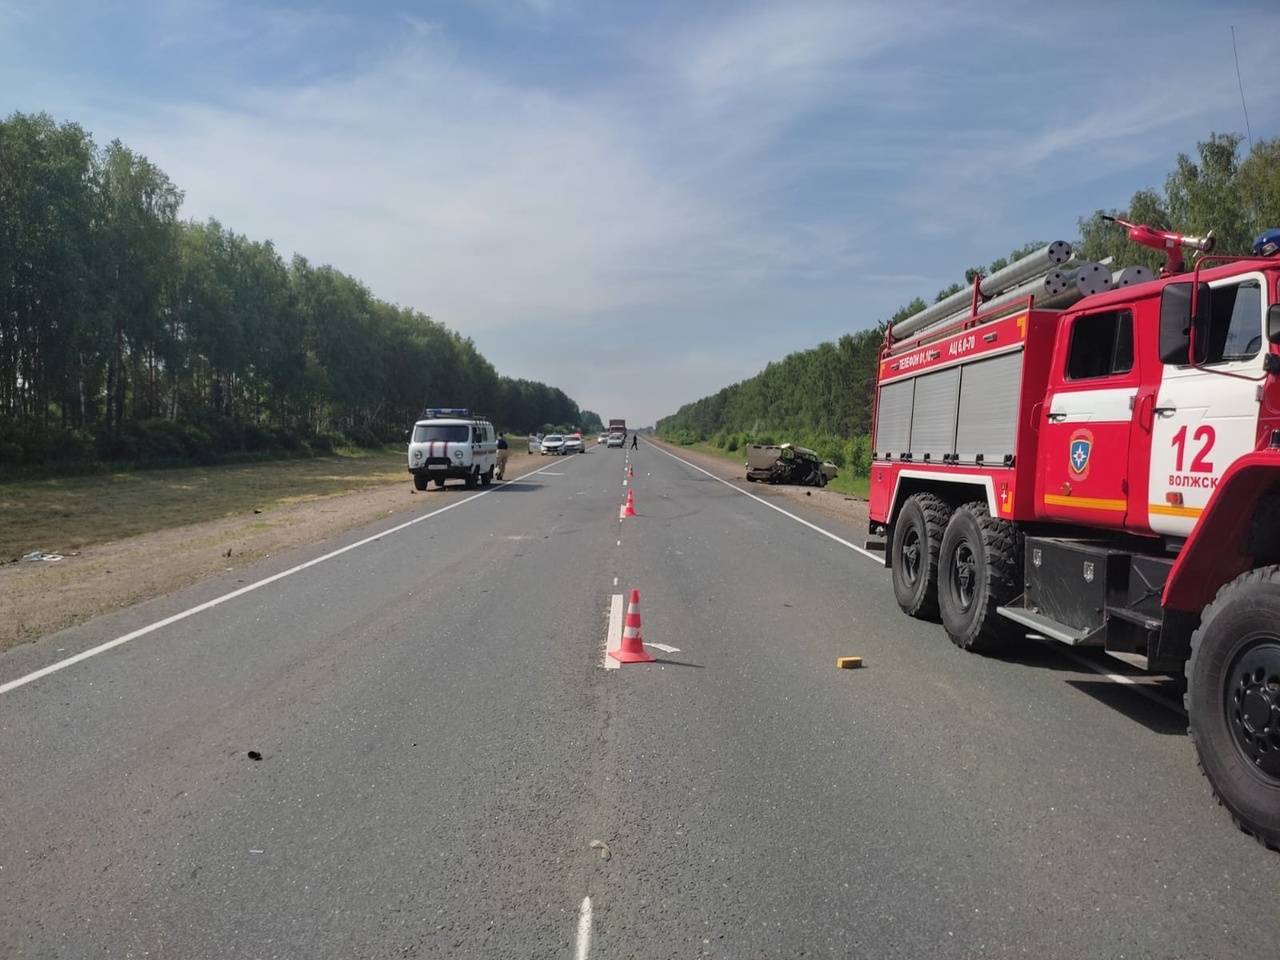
40	598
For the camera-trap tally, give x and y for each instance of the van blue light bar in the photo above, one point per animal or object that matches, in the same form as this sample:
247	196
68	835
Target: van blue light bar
436	413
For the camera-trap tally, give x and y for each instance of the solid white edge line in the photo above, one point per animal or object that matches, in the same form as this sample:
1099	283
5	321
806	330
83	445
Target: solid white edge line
584	930
786	513
1117	677
248	588
612	631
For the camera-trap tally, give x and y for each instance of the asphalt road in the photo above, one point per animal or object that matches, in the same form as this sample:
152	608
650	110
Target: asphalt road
441	747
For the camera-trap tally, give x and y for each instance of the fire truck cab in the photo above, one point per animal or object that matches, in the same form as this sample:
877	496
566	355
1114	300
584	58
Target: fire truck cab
1106	475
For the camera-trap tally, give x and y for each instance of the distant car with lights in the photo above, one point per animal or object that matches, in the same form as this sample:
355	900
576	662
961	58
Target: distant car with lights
616	439
552	445
572	445
451	443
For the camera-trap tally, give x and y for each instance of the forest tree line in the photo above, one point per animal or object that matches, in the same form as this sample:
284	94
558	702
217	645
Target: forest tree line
822	398
128	333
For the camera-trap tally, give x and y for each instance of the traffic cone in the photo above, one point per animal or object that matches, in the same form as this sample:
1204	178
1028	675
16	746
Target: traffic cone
629	509
631	472
632	649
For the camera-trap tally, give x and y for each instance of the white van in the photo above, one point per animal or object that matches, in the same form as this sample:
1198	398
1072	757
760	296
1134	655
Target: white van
452	443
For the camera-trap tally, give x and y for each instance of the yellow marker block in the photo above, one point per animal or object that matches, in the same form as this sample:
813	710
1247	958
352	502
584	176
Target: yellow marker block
848	663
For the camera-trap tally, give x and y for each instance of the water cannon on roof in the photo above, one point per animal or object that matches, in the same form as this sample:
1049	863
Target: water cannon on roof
1167	241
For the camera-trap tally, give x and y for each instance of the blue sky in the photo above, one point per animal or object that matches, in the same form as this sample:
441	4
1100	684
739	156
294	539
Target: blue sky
642	203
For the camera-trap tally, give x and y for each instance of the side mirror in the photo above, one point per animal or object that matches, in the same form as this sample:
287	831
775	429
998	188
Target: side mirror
1273	323
1175	321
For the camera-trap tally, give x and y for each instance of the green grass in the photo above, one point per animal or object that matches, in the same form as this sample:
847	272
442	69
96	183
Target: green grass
849	485
68	513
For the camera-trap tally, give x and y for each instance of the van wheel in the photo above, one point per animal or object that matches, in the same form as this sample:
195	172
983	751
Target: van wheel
487	477
979	571
419	482
439	481
471	480
1233	701
917	539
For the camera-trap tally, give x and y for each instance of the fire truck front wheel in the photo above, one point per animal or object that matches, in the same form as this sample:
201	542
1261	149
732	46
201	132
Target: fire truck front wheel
1233	700
917	539
978	571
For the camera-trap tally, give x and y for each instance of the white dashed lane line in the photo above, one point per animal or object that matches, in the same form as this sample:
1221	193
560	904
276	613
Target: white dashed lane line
583	949
613	632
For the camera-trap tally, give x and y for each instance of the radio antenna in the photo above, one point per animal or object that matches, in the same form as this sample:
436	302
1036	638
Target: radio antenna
1240	84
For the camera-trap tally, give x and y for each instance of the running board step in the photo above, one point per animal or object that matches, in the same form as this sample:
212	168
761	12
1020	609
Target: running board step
874	545
1150	624
1038	623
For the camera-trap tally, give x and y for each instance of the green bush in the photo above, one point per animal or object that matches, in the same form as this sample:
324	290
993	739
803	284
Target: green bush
286	439
362	436
326	442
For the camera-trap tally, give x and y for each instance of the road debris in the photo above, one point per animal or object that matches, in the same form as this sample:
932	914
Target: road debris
35	555
848	663
603	847
254	755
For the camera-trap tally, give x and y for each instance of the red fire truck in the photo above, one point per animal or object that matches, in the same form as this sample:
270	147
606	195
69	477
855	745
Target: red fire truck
1106	475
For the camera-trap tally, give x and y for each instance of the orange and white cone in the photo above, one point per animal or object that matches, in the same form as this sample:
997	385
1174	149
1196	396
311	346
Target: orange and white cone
632	649
629	508
631	472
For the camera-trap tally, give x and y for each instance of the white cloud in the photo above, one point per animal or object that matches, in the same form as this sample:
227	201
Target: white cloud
744	182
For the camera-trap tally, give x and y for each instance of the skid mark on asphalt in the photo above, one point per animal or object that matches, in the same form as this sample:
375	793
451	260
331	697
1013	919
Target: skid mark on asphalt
248	588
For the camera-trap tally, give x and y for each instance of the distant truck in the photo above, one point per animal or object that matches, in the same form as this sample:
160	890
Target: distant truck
786	463
617	433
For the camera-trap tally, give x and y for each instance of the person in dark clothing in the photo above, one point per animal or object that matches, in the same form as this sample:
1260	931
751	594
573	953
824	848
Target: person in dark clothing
635	442
502	456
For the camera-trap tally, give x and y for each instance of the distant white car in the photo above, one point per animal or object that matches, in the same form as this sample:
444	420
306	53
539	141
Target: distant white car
616	440
601	438
552	445
572	445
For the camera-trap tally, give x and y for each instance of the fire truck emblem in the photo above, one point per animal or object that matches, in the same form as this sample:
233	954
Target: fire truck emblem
1080	447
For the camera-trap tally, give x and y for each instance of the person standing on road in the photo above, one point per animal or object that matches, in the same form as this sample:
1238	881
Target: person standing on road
635	442
502	455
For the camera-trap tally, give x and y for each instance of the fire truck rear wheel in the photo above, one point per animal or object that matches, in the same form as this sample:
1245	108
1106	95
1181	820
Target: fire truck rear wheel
978	571
917	539
1233	700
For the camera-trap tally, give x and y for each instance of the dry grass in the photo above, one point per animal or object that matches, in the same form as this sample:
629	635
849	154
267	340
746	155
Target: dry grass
63	514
